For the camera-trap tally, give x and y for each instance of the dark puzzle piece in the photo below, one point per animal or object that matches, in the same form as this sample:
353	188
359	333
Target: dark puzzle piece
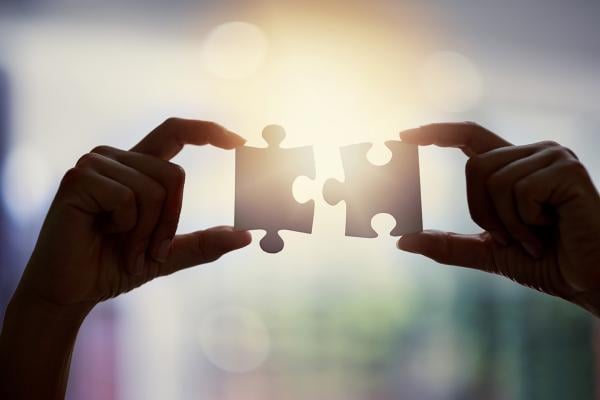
393	188
263	188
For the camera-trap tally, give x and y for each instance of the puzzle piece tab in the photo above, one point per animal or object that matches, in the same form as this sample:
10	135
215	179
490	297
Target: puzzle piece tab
263	188
393	188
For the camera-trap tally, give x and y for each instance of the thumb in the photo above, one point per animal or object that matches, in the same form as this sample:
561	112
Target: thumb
203	247
472	251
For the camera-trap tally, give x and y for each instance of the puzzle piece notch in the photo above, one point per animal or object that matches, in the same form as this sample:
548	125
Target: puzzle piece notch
263	192
368	190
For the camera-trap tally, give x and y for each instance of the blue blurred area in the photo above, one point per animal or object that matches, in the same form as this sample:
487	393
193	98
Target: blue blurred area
330	317
8	276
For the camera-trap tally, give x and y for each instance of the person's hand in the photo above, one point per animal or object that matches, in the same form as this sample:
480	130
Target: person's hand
111	227
539	209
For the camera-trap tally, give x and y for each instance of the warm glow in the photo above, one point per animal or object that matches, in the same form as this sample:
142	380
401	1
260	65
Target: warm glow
330	83
451	82
234	50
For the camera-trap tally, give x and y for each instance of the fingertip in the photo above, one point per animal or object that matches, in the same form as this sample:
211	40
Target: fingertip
230	238
409	242
409	135
244	237
236	140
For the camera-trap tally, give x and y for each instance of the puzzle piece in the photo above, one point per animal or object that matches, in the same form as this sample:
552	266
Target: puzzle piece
368	190
263	188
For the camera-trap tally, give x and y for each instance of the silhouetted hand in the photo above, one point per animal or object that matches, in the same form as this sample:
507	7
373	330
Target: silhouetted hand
110	228
112	224
538	205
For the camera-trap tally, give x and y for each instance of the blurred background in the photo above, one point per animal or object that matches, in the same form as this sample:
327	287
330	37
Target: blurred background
330	317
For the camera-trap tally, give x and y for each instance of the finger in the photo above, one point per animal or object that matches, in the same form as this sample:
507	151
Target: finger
478	170
480	202
202	247
501	187
468	136
472	251
149	197
480	252
95	194
169	138
172	179
554	186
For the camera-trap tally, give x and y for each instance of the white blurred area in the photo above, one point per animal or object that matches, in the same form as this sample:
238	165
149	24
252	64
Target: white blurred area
331	76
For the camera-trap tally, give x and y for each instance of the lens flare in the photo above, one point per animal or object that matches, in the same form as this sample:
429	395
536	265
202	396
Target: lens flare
234	50
234	339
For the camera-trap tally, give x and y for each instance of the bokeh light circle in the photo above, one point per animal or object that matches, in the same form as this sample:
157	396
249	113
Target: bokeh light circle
234	50
26	183
451	82
234	339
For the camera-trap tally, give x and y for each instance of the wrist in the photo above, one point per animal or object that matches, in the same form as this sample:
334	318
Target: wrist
27	307
36	344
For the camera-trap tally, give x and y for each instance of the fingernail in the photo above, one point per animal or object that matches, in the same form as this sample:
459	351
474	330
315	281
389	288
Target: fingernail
139	264
499	237
163	250
237	138
533	249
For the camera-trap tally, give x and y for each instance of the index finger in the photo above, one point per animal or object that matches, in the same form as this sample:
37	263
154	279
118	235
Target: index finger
471	138
166	140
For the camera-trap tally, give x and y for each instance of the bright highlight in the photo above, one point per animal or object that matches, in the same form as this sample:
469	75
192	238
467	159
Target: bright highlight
451	83
234	50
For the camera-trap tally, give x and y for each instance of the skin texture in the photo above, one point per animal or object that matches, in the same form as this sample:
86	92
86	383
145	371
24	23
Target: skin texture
539	209
110	229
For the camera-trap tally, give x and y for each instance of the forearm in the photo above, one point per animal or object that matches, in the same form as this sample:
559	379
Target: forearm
36	344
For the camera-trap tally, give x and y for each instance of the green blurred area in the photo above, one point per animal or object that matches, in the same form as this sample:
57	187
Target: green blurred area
489	341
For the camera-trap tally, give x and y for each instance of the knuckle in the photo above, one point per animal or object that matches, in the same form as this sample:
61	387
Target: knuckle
472	125
127	197
102	149
522	188
548	143
71	176
170	122
212	125
568	153
573	167
559	152
178	173
473	166
87	160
